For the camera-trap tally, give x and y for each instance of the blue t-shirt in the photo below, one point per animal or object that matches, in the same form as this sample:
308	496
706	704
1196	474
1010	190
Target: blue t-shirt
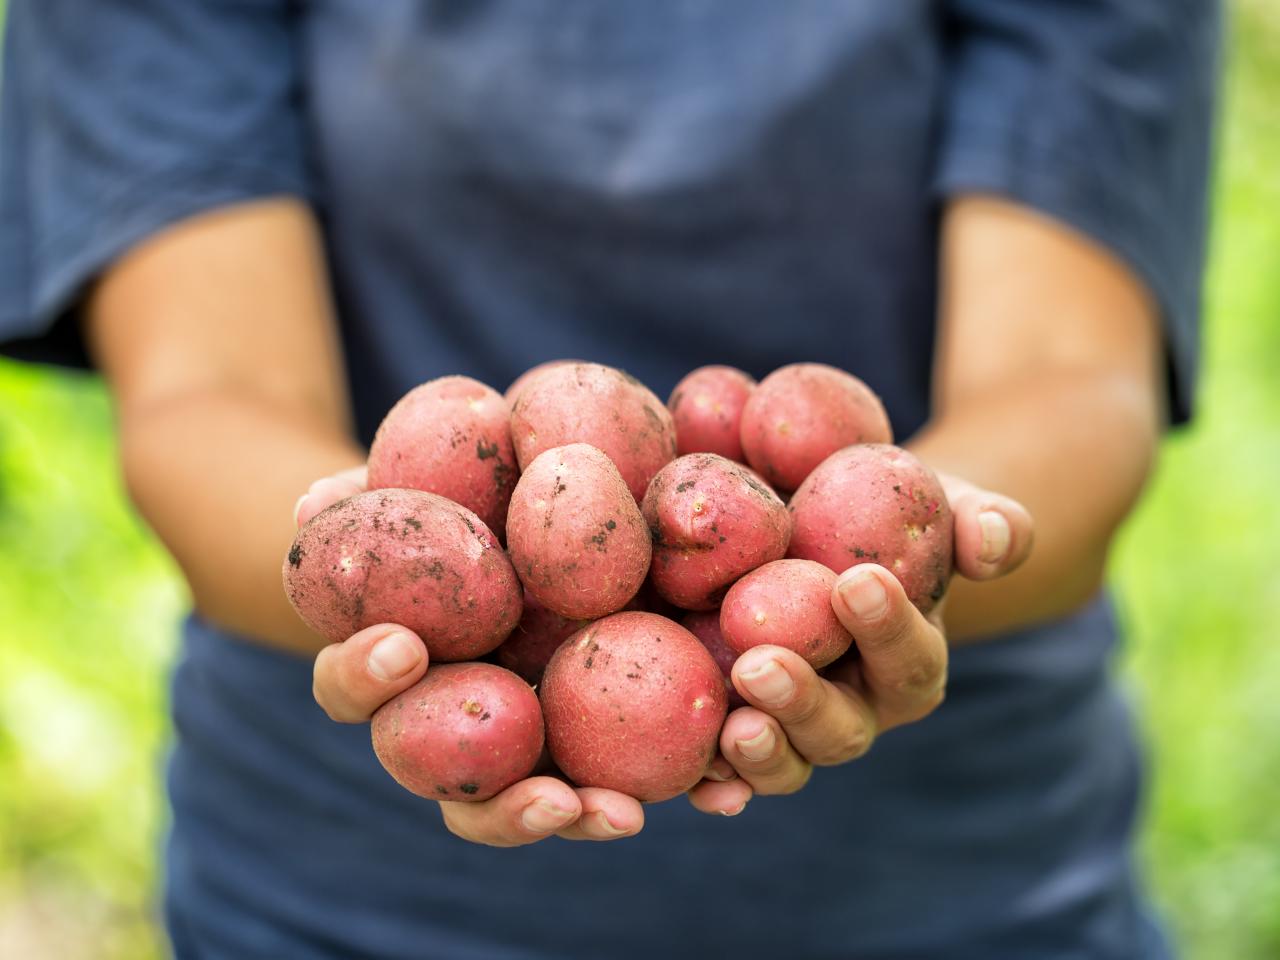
656	186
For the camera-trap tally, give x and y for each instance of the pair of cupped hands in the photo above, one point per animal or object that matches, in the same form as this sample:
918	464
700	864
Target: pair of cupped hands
797	718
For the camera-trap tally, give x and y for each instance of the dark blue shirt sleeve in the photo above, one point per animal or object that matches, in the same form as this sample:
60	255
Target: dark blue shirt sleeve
120	117
1097	113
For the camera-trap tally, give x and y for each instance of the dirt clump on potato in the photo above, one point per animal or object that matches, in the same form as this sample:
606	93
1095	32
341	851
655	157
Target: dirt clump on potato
877	503
633	703
407	557
465	731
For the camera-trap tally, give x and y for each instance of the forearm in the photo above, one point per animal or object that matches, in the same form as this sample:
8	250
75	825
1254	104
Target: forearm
1075	449
216	475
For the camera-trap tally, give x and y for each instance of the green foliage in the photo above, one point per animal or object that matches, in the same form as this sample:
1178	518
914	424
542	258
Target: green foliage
89	605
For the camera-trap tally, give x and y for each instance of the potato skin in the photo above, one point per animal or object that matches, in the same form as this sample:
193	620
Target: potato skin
786	603
451	437
465	731
535	639
520	382
576	536
801	414
599	405
711	521
705	625
707	409
634	703
877	503
408	557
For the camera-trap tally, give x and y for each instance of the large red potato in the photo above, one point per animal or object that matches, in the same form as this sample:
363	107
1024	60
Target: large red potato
707	409
633	703
576	536
465	731
408	557
711	520
520	382
705	625
786	603
877	503
801	414
452	437
595	404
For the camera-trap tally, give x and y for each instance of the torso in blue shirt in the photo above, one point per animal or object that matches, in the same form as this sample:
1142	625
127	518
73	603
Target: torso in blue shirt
751	184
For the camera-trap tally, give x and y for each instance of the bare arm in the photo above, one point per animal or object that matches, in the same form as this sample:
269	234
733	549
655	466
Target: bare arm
1046	389
218	341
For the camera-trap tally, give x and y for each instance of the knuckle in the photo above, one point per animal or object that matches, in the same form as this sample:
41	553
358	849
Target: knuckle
919	678
804	708
848	744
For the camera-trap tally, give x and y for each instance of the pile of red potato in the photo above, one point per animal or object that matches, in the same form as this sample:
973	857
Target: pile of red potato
647	546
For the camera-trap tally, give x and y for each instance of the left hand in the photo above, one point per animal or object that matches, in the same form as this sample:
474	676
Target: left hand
799	719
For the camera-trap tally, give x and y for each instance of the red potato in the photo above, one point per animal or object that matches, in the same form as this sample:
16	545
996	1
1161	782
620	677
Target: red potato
633	703
576	536
786	603
877	503
707	409
801	414
520	382
465	731
595	404
535	639
408	557
452	437
711	520
705	625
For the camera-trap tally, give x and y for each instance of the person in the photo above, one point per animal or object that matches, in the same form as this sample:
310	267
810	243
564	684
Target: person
264	221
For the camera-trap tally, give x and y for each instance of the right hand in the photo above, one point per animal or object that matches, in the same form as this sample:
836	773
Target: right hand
352	679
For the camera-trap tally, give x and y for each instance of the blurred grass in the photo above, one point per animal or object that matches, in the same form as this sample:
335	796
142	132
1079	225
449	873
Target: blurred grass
89	606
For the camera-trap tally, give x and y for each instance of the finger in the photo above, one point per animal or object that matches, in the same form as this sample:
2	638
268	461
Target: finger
525	812
754	743
354	678
723	798
327	491
993	535
606	815
824	722
904	656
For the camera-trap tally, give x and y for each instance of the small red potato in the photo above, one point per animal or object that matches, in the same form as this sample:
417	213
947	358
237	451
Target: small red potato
707	409
705	625
465	731
711	520
786	603
535	639
595	404
877	503
408	557
633	703
576	536
452	437
801	414
520	382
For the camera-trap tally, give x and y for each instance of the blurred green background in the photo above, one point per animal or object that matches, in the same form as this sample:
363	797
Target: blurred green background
89	606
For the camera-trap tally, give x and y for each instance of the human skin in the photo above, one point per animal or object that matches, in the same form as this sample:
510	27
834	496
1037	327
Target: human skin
1037	326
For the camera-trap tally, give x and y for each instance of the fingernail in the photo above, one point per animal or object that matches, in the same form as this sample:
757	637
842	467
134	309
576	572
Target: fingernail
735	811
393	656
995	536
769	683
543	817
297	507
759	747
607	827
864	594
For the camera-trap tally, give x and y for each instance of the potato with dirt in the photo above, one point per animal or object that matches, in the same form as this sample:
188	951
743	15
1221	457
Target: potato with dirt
451	437
877	503
577	539
599	405
801	414
633	703
786	603
711	520
406	557
465	731
707	406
